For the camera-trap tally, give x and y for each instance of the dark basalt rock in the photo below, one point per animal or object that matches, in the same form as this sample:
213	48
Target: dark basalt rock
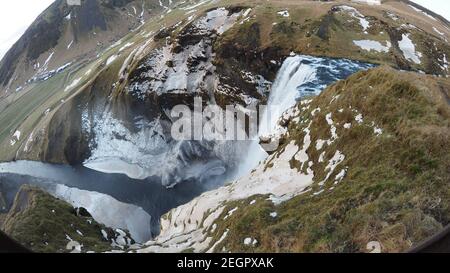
82	212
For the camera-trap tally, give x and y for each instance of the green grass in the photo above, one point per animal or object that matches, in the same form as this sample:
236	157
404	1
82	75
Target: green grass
43	225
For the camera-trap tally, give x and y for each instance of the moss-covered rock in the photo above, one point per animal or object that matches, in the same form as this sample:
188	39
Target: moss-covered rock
43	223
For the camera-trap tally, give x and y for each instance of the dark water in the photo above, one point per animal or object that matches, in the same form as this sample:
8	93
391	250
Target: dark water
148	194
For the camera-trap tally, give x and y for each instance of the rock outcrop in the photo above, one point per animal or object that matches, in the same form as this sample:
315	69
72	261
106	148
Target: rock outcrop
43	223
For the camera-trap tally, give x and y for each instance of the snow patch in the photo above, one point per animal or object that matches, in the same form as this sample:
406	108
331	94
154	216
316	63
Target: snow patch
106	210
127	45
409	50
111	59
15	138
438	32
359	118
365	24
337	159
72	85
373	45
369	2
70	44
283	13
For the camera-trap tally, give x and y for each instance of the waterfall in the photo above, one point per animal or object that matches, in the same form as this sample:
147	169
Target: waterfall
284	93
300	76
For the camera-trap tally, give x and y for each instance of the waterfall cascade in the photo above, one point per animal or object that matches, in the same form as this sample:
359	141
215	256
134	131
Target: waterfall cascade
300	76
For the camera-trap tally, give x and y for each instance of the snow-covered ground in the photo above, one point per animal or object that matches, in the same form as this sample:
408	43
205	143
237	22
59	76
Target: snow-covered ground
73	84
370	45
369	2
107	210
365	24
408	48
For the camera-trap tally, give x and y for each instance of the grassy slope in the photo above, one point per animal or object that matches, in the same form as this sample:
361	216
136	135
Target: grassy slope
45	219
396	190
311	30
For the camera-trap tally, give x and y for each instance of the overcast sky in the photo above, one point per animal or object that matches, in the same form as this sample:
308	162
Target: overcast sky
17	15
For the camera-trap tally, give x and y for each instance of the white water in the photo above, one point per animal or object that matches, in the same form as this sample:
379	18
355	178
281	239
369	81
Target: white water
299	76
292	74
283	96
